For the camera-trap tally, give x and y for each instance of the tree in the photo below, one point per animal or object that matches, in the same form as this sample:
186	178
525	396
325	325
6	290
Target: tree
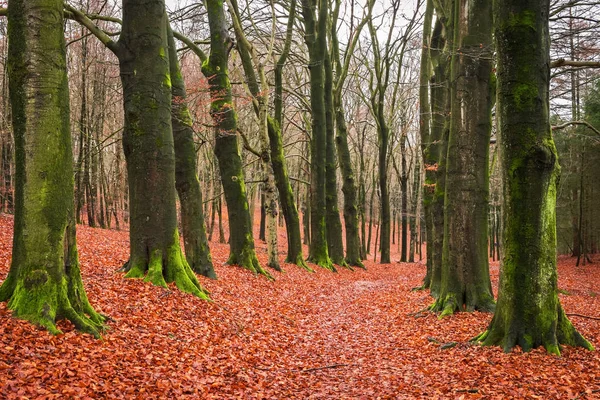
465	279
349	187
193	227
155	251
528	312
259	90
435	158
315	37
44	282
186	182
143	53
286	195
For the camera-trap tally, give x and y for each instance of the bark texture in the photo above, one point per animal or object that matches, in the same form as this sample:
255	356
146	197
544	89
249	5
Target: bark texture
435	182
241	241
44	281
193	226
465	276
528	313
155	251
315	39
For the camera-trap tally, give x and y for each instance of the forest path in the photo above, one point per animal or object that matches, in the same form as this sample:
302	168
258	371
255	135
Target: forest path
322	335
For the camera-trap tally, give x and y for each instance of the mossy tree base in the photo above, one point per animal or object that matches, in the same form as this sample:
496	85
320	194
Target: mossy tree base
163	267
451	302
300	262
42	300
323	262
247	259
509	333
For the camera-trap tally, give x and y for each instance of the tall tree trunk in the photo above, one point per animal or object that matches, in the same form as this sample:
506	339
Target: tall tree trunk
437	147
44	282
193	228
425	134
528	313
335	244
404	190
415	209
241	240
155	251
465	263
286	194
315	38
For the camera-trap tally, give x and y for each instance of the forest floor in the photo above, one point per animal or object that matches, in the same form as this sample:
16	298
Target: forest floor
305	336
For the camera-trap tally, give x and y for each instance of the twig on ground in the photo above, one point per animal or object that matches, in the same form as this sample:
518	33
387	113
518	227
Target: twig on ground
320	368
583	316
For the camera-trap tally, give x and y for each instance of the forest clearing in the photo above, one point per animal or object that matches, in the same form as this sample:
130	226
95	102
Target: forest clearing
307	335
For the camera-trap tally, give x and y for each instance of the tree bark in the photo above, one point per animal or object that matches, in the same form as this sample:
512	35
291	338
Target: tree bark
465	267
437	146
44	281
315	39
425	133
335	244
193	227
528	313
241	241
155	251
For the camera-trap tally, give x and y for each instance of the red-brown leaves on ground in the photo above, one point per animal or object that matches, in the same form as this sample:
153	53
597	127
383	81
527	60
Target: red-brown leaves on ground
322	335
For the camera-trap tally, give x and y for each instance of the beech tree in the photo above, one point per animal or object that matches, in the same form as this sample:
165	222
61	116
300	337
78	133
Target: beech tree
155	251
44	281
315	37
528	313
465	277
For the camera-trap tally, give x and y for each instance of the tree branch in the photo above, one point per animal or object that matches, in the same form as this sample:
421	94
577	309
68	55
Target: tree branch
561	62
84	20
583	123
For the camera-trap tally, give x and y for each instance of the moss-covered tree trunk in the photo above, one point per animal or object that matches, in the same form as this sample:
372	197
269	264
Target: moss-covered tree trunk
315	38
528	313
335	244
425	134
241	241
193	228
437	145
465	267
286	194
44	281
155	251
349	186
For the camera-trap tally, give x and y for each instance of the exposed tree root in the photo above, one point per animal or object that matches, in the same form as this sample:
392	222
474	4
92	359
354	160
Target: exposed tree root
449	303
41	300
509	334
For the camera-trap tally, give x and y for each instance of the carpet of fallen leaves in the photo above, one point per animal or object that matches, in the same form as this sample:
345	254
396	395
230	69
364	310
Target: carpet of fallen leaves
322	335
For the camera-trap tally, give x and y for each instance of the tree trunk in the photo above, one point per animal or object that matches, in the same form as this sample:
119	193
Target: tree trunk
286	194
335	244
404	190
315	38
215	69
528	313
155	251
425	133
437	148
44	282
465	263
193	228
